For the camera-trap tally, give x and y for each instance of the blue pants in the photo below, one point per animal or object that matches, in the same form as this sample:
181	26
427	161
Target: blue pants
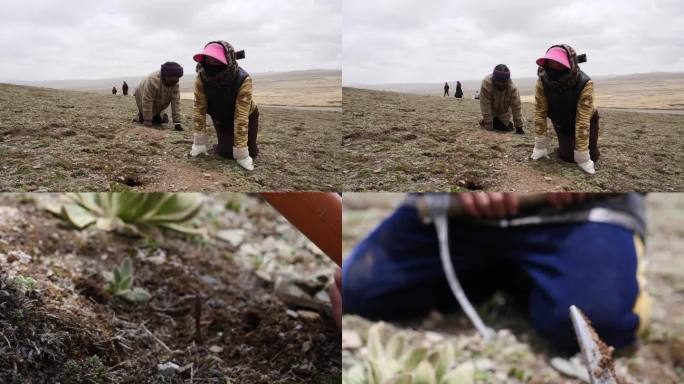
396	273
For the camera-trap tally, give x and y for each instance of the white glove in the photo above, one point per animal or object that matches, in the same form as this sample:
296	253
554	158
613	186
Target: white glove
199	145
584	161
541	145
242	157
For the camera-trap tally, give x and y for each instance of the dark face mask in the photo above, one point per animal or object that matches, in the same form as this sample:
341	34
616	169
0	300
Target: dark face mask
556	74
501	87
213	70
170	82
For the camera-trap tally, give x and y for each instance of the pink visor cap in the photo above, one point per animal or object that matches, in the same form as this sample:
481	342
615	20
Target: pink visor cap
556	54
214	50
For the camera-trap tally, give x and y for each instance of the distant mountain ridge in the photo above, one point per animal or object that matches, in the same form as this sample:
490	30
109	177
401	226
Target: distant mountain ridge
524	84
105	85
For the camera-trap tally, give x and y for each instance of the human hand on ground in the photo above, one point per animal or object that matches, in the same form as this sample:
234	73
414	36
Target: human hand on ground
562	199
489	205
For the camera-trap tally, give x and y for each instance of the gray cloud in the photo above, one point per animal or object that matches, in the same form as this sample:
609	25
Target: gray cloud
400	41
49	40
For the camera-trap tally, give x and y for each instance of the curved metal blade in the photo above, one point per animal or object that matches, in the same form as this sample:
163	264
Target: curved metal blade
596	354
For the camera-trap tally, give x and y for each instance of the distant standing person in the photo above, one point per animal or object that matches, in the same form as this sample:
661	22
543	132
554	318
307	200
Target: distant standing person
459	92
476	95
223	90
113	90
446	90
499	101
565	94
124	88
156	92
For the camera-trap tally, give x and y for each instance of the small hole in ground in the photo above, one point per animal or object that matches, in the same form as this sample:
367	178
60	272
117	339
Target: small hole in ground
474	185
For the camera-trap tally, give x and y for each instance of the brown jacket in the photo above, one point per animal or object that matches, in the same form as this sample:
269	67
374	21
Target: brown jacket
500	104
152	97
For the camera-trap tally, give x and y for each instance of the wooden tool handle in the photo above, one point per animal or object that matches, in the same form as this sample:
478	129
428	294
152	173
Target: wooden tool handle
527	201
318	215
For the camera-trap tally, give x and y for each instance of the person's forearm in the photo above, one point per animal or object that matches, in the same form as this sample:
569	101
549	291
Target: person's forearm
147	104
199	111
176	109
585	109
540	111
486	107
242	109
516	107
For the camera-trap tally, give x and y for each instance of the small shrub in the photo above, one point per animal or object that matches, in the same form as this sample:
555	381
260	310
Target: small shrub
121	283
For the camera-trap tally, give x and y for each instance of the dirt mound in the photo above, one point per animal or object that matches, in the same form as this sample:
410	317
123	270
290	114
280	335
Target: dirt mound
209	319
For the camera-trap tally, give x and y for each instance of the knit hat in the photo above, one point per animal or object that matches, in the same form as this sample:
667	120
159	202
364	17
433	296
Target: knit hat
171	69
501	73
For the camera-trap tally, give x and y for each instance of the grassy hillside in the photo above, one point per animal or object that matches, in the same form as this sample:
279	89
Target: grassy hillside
54	140
403	142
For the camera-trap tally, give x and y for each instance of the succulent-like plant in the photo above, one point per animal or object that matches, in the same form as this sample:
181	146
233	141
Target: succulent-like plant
398	362
138	212
121	283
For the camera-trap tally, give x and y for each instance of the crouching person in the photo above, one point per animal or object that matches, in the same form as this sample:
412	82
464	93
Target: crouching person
156	92
574	250
500	102
565	94
224	91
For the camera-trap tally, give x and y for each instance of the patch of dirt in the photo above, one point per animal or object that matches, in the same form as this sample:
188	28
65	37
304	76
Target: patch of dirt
638	151
211	316
299	150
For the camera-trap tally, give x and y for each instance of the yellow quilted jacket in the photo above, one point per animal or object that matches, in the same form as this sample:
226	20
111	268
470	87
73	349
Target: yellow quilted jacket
585	110
244	106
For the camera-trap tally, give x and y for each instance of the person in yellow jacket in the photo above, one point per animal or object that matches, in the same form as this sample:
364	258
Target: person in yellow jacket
224	91
565	94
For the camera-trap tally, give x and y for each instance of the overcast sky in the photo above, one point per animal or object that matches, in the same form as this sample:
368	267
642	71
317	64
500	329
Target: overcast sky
55	40
402	41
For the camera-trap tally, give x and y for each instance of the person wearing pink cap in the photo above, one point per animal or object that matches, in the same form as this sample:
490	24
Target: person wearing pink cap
224	91
565	94
500	102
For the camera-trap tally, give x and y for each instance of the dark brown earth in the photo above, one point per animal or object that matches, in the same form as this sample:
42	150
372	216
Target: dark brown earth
65	328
